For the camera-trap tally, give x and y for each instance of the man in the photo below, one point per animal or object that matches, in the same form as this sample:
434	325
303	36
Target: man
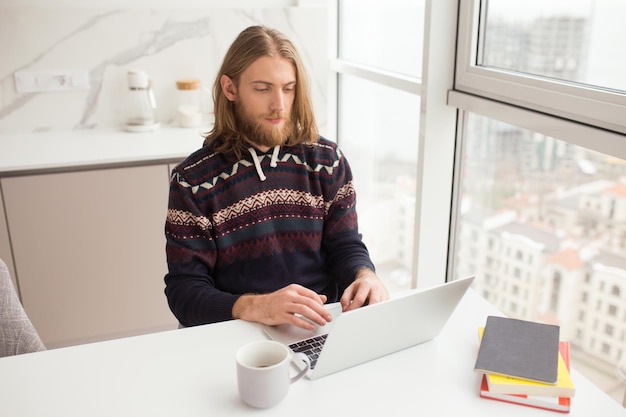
261	223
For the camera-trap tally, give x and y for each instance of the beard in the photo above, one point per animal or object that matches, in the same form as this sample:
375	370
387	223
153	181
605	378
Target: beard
255	131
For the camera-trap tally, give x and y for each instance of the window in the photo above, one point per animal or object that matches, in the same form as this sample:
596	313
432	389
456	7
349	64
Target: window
615	291
514	151
377	128
384	174
556	290
554	41
542	124
368	28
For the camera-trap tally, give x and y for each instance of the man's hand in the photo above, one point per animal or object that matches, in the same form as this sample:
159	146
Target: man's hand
367	287
293	304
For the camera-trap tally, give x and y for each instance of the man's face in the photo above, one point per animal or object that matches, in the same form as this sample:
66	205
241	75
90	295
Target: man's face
264	98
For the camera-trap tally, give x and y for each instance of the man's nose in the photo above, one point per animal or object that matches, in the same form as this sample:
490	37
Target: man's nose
278	101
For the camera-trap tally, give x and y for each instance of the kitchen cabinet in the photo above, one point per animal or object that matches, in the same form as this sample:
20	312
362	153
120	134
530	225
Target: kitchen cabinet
89	251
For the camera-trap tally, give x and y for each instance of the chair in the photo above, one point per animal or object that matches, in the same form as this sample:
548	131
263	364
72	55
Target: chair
17	333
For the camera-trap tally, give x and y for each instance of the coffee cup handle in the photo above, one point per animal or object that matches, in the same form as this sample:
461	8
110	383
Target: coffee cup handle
304	358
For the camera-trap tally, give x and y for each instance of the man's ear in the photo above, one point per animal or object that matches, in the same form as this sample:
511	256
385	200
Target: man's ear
228	87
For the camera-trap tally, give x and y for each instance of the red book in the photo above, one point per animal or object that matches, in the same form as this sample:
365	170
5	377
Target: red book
560	404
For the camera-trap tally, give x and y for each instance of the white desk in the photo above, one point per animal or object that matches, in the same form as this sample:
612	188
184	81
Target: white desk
191	372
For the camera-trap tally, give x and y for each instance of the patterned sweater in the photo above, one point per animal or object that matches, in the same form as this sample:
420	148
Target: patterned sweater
258	224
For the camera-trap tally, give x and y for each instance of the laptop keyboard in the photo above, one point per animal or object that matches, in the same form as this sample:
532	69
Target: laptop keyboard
310	347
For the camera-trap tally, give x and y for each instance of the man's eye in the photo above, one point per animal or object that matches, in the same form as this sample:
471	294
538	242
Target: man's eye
262	90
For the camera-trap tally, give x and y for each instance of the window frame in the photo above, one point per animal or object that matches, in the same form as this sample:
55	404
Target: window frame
601	108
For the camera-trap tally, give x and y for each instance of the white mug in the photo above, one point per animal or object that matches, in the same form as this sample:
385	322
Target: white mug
263	372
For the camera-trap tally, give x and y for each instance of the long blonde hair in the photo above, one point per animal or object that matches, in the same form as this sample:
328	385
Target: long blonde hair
251	44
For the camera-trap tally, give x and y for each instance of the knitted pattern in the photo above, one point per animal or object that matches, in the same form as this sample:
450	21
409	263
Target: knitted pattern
229	232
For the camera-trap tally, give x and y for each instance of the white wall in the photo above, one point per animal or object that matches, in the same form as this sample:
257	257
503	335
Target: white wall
168	39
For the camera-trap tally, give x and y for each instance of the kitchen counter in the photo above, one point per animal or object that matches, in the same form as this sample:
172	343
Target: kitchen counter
59	151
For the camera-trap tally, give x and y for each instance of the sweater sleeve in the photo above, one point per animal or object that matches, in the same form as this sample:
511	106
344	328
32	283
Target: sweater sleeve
191	253
346	252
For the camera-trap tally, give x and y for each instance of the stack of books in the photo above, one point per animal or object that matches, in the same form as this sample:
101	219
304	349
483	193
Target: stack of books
524	362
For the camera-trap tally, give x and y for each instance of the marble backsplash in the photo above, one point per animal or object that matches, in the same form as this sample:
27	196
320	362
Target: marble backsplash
168	43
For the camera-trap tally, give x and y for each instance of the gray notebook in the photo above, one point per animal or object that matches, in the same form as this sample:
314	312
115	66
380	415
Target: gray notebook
520	349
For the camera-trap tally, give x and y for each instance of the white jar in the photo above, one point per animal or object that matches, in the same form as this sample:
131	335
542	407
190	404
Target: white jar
189	109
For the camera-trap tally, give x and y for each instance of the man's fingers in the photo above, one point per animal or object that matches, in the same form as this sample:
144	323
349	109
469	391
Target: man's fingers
302	307
313	312
365	290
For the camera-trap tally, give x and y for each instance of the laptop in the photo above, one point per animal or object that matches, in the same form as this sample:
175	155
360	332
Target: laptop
354	337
